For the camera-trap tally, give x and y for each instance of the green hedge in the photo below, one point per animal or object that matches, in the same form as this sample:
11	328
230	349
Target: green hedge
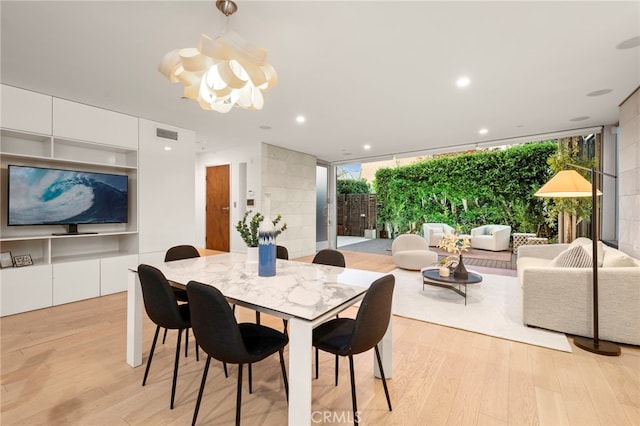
353	186
467	190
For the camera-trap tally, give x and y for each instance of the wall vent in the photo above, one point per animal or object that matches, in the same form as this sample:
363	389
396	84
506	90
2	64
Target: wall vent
167	134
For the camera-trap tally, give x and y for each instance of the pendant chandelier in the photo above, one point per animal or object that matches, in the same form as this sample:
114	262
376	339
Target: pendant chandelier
221	73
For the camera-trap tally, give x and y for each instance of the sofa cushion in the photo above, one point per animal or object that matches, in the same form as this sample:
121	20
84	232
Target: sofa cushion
573	257
616	259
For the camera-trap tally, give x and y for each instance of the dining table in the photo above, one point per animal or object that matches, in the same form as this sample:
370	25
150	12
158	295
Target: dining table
306	294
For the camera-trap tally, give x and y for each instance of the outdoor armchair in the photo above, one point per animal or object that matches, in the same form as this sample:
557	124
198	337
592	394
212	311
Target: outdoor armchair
433	232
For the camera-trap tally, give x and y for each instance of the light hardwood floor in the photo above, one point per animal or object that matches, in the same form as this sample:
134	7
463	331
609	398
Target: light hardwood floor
66	366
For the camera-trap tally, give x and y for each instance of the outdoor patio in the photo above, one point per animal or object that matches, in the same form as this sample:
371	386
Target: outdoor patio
474	257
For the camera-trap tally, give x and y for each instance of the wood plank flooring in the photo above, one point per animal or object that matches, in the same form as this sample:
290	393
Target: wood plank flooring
66	366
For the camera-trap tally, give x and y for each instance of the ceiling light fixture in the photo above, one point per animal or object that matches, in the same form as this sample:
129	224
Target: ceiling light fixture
300	119
463	82
483	131
221	73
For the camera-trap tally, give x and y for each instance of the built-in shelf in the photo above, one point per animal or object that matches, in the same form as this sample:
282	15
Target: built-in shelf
76	266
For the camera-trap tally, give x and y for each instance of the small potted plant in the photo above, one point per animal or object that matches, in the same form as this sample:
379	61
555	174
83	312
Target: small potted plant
248	229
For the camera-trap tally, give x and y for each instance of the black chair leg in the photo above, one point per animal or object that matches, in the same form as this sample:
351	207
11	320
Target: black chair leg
226	373
250	379
384	381
286	324
353	391
204	380
239	396
284	374
186	342
257	317
197	351
165	336
337	361
153	347
175	368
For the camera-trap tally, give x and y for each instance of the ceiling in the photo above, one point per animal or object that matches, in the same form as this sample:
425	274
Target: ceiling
361	72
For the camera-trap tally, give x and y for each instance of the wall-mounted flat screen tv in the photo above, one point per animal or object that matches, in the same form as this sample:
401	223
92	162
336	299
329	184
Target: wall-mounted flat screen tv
47	196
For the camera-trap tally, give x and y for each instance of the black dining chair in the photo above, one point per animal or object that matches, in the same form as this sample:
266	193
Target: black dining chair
222	338
332	258
348	337
163	309
282	253
178	253
329	257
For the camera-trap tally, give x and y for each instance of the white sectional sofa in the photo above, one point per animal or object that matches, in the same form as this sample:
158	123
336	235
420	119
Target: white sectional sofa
560	297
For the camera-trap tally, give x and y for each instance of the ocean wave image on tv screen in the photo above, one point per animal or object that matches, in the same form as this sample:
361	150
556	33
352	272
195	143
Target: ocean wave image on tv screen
40	196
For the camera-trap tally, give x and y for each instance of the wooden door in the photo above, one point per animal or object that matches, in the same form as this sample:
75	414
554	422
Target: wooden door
218	210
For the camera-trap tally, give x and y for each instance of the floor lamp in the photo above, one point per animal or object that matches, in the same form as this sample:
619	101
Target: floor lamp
570	184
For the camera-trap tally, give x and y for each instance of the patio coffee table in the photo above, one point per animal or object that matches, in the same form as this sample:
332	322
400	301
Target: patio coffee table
432	277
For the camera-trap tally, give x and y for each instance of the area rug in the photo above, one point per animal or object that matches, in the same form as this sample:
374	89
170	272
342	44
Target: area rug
493	308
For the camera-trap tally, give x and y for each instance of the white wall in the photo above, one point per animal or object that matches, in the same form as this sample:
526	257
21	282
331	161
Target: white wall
240	177
289	177
629	175
166	188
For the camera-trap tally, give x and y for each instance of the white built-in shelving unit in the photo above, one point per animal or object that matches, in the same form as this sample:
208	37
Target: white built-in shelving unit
43	131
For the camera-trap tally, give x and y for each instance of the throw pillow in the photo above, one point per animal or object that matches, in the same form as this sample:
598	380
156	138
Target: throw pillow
573	257
580	241
589	248
616	259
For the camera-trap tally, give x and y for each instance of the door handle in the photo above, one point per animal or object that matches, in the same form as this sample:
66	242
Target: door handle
226	209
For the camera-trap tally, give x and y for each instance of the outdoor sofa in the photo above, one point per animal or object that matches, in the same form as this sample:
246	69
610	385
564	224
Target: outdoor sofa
491	237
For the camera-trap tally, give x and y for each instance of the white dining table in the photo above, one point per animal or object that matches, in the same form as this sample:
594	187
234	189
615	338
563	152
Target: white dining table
306	294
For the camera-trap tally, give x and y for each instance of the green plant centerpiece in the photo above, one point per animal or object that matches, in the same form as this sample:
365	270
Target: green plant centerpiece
248	228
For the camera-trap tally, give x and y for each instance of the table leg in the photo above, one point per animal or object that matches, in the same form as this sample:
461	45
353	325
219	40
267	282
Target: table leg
134	320
384	347
300	349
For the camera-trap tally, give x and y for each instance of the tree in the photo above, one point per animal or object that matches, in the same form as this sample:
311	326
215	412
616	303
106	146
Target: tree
353	186
569	212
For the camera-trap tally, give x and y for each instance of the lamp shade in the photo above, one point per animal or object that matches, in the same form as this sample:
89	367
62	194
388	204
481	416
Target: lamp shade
566	184
221	73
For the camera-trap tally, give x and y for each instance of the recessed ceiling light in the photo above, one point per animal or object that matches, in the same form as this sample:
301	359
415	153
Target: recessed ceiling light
599	92
463	81
367	147
300	119
167	148
628	44
483	131
581	118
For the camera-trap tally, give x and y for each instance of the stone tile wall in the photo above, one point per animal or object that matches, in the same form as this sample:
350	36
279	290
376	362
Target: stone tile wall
290	177
629	175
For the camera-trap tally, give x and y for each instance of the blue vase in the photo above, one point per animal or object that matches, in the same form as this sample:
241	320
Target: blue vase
266	253
267	243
